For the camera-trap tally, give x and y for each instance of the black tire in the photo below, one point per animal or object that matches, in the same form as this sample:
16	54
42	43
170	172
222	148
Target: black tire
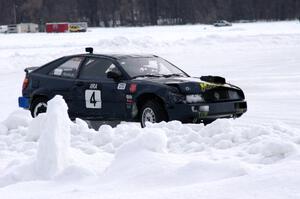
95	124
152	111
208	121
38	105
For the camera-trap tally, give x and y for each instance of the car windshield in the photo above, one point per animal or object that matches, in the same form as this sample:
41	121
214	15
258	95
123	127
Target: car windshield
149	67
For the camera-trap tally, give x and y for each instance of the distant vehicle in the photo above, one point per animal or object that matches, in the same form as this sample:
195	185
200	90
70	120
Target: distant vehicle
222	23
78	27
144	88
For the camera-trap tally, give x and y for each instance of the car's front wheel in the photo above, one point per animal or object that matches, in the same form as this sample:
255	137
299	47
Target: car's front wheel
38	105
152	112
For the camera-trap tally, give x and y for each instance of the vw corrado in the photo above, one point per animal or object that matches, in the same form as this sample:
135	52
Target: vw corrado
144	88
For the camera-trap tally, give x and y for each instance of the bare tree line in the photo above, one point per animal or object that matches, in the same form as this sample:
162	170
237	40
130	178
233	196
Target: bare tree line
145	12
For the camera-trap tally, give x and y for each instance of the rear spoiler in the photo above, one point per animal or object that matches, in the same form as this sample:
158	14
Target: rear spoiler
30	69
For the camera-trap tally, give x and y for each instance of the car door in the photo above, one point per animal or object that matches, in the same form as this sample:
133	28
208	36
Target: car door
98	97
62	78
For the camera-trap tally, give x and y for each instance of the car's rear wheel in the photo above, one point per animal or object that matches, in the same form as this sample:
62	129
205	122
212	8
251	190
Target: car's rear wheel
153	112
208	121
38	105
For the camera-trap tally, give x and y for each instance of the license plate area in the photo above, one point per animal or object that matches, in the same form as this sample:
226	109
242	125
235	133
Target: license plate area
198	109
240	106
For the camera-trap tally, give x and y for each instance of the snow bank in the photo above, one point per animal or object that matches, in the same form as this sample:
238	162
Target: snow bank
127	156
261	144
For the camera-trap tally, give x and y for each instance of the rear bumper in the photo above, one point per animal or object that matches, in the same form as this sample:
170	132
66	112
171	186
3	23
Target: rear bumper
202	111
23	102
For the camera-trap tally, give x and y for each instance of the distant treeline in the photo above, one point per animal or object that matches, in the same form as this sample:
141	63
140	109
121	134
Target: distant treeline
145	12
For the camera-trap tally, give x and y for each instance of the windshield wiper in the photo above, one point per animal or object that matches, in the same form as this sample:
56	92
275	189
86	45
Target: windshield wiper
173	75
147	75
166	75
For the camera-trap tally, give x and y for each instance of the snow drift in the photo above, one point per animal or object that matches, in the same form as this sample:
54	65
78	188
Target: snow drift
140	157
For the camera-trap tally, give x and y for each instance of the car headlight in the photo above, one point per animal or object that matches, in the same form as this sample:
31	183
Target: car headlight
176	97
194	98
233	95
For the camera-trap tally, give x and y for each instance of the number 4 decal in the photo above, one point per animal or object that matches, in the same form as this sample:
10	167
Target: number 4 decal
93	99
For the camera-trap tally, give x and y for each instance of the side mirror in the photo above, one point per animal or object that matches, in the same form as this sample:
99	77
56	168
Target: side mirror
116	75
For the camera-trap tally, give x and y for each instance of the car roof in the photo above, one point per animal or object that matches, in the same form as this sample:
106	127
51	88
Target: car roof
116	56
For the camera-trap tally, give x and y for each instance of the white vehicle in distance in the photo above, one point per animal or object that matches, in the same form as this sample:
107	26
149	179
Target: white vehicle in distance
222	23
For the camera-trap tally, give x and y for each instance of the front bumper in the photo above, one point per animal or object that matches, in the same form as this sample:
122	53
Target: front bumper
23	102
202	111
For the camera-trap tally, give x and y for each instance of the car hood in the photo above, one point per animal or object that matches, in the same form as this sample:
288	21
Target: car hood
189	85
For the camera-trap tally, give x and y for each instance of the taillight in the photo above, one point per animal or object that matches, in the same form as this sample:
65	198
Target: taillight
25	83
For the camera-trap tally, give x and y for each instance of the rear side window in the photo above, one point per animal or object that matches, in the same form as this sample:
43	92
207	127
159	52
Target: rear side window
96	68
68	68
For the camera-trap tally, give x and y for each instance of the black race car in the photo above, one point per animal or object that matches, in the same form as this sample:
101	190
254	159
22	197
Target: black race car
144	88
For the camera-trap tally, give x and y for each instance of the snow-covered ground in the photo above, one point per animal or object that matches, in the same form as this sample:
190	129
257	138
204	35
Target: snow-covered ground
256	156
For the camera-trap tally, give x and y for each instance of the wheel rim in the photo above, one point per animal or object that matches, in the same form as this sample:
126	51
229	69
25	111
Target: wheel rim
148	116
40	108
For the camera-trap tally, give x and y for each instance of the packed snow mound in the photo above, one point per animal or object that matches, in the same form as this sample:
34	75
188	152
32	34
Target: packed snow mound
54	142
53	150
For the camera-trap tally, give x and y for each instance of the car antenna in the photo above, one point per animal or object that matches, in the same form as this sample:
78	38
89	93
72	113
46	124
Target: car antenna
89	50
